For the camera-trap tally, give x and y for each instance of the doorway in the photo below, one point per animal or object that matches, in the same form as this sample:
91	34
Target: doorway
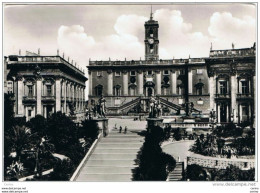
150	92
223	113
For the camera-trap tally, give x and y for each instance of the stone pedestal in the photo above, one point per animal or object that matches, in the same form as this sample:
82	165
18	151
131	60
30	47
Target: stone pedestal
152	122
188	119
102	124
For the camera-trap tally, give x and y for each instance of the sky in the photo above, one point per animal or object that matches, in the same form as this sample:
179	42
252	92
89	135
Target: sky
116	31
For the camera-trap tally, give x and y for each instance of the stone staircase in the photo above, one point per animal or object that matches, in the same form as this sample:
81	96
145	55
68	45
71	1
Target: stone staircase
176	174
113	158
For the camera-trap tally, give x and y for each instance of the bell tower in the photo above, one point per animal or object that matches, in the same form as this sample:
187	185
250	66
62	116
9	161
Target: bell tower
151	39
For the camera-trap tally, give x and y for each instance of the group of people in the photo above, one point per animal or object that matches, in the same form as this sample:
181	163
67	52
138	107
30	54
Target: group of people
121	129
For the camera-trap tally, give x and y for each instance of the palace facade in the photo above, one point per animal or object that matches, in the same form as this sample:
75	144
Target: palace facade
128	85
43	85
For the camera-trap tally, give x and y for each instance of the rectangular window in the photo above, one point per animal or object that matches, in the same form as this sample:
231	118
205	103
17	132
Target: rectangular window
223	87
48	90
132	73
117	73
29	113
244	85
166	72
199	71
99	73
30	91
149	72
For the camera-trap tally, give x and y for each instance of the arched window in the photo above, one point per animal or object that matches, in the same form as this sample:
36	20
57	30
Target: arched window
117	90
199	87
99	90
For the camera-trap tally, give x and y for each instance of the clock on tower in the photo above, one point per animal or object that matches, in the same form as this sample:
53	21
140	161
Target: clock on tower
151	39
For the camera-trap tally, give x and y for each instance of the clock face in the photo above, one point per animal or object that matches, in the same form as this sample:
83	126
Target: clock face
151	41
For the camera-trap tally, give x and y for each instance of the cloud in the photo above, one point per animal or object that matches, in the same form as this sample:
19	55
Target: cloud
177	37
225	29
183	41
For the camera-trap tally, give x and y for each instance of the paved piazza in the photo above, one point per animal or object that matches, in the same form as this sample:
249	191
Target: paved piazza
130	123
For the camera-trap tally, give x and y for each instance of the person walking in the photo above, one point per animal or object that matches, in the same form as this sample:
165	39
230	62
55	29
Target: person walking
120	129
125	129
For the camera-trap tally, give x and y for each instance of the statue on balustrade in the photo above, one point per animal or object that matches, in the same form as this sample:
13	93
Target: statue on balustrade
72	109
101	109
98	110
155	110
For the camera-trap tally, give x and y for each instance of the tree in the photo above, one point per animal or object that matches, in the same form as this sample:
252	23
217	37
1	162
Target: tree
38	124
196	173
89	129
153	163
61	131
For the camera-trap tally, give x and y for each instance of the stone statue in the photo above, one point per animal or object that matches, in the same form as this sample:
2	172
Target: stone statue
72	109
102	107
155	108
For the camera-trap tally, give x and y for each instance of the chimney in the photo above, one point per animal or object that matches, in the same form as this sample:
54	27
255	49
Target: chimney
68	59
39	51
58	52
63	55
19	52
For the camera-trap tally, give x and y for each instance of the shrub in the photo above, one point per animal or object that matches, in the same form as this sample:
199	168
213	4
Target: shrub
153	164
62	170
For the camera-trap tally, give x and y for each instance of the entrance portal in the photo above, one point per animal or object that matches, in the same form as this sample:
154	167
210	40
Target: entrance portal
223	113
150	92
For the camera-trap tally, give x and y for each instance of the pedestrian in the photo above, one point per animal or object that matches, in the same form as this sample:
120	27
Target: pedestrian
125	129
120	129
115	126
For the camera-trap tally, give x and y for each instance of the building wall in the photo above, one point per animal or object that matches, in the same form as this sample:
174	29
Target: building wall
32	81
173	92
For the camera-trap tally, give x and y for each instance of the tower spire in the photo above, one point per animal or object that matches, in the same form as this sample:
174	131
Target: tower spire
151	15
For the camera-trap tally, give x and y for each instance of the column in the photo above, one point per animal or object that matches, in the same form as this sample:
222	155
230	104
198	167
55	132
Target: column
218	112
234	96
45	111
228	115
212	92
241	113
125	83
39	96
173	82
158	82
190	81
110	83
90	83
140	84
58	94
65	97
20	93
72	92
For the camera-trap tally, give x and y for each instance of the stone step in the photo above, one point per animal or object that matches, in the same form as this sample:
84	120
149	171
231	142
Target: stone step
107	170
117	163
119	156
115	151
124	136
105	177
123	140
118	146
175	175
